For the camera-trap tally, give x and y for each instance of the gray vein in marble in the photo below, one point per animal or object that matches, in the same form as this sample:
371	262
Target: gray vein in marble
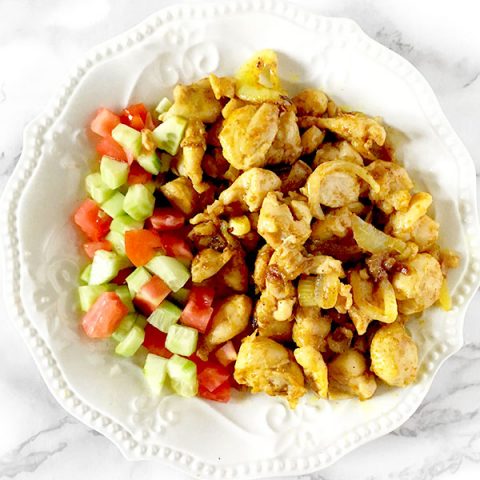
18	461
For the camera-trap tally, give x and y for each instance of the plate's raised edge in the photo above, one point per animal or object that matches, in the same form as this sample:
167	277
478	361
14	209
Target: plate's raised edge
346	31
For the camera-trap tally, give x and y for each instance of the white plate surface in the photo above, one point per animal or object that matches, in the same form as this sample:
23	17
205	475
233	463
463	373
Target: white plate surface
253	435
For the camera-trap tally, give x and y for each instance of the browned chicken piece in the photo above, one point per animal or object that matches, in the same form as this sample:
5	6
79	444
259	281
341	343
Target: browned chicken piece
344	298
365	134
207	235
266	366
290	258
348	375
401	224
214	164
195	102
279	331
338	189
337	223
181	194
194	147
208	262
419	287
323	265
280	218
425	233
261	265
448	259
336	151
395	186
311	328
248	133
229	319
251	188
287	145
232	105
213	131
314	369
340	339
311	102
296	177
222	86
234	274
312	138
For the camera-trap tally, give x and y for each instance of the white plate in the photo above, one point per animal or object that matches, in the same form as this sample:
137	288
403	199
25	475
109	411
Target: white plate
253	435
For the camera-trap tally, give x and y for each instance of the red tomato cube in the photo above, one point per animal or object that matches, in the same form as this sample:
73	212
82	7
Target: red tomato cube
104	316
104	122
151	295
226	354
212	376
141	246
221	394
138	175
108	146
91	247
167	218
154	341
92	221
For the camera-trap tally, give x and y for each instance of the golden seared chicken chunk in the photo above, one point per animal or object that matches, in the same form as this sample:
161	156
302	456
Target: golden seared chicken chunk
195	102
266	366
424	233
402	223
394	355
281	218
337	223
314	369
348	375
229	319
234	274
248	133
208	262
395	186
311	102
276	301
261	265
251	188
289	258
296	177
222	86
194	147
181	194
418	287
311	139
311	328
336	151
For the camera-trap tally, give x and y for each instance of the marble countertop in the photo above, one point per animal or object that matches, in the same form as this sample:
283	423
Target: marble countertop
39	43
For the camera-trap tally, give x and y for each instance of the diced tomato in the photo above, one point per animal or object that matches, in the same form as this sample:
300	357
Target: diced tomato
134	116
149	122
151	295
226	354
122	275
212	376
198	311
202	296
141	246
221	394
108	146
154	341
175	246
104	315
104	122
138	175
92	221
167	218
92	247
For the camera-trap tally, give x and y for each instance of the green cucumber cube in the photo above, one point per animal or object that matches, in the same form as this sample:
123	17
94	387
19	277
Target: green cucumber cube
150	162
170	270
129	138
151	187
131	343
117	241
139	202
155	371
181	340
88	295
137	279
169	134
180	296
114	173
183	376
85	274
141	321
123	223
163	106
164	316
96	188
124	293
114	205
124	327
105	267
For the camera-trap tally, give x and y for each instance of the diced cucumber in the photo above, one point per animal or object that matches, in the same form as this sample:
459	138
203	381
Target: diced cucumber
141	321
117	241
88	294
169	134
163	106
139	202
164	316
114	173
165	161
129	138
183	376
151	187
155	371
131	343
137	279
150	162
180	296
96	188
124	293
114	205
105	267
85	274
170	270
182	340
123	223
124	327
